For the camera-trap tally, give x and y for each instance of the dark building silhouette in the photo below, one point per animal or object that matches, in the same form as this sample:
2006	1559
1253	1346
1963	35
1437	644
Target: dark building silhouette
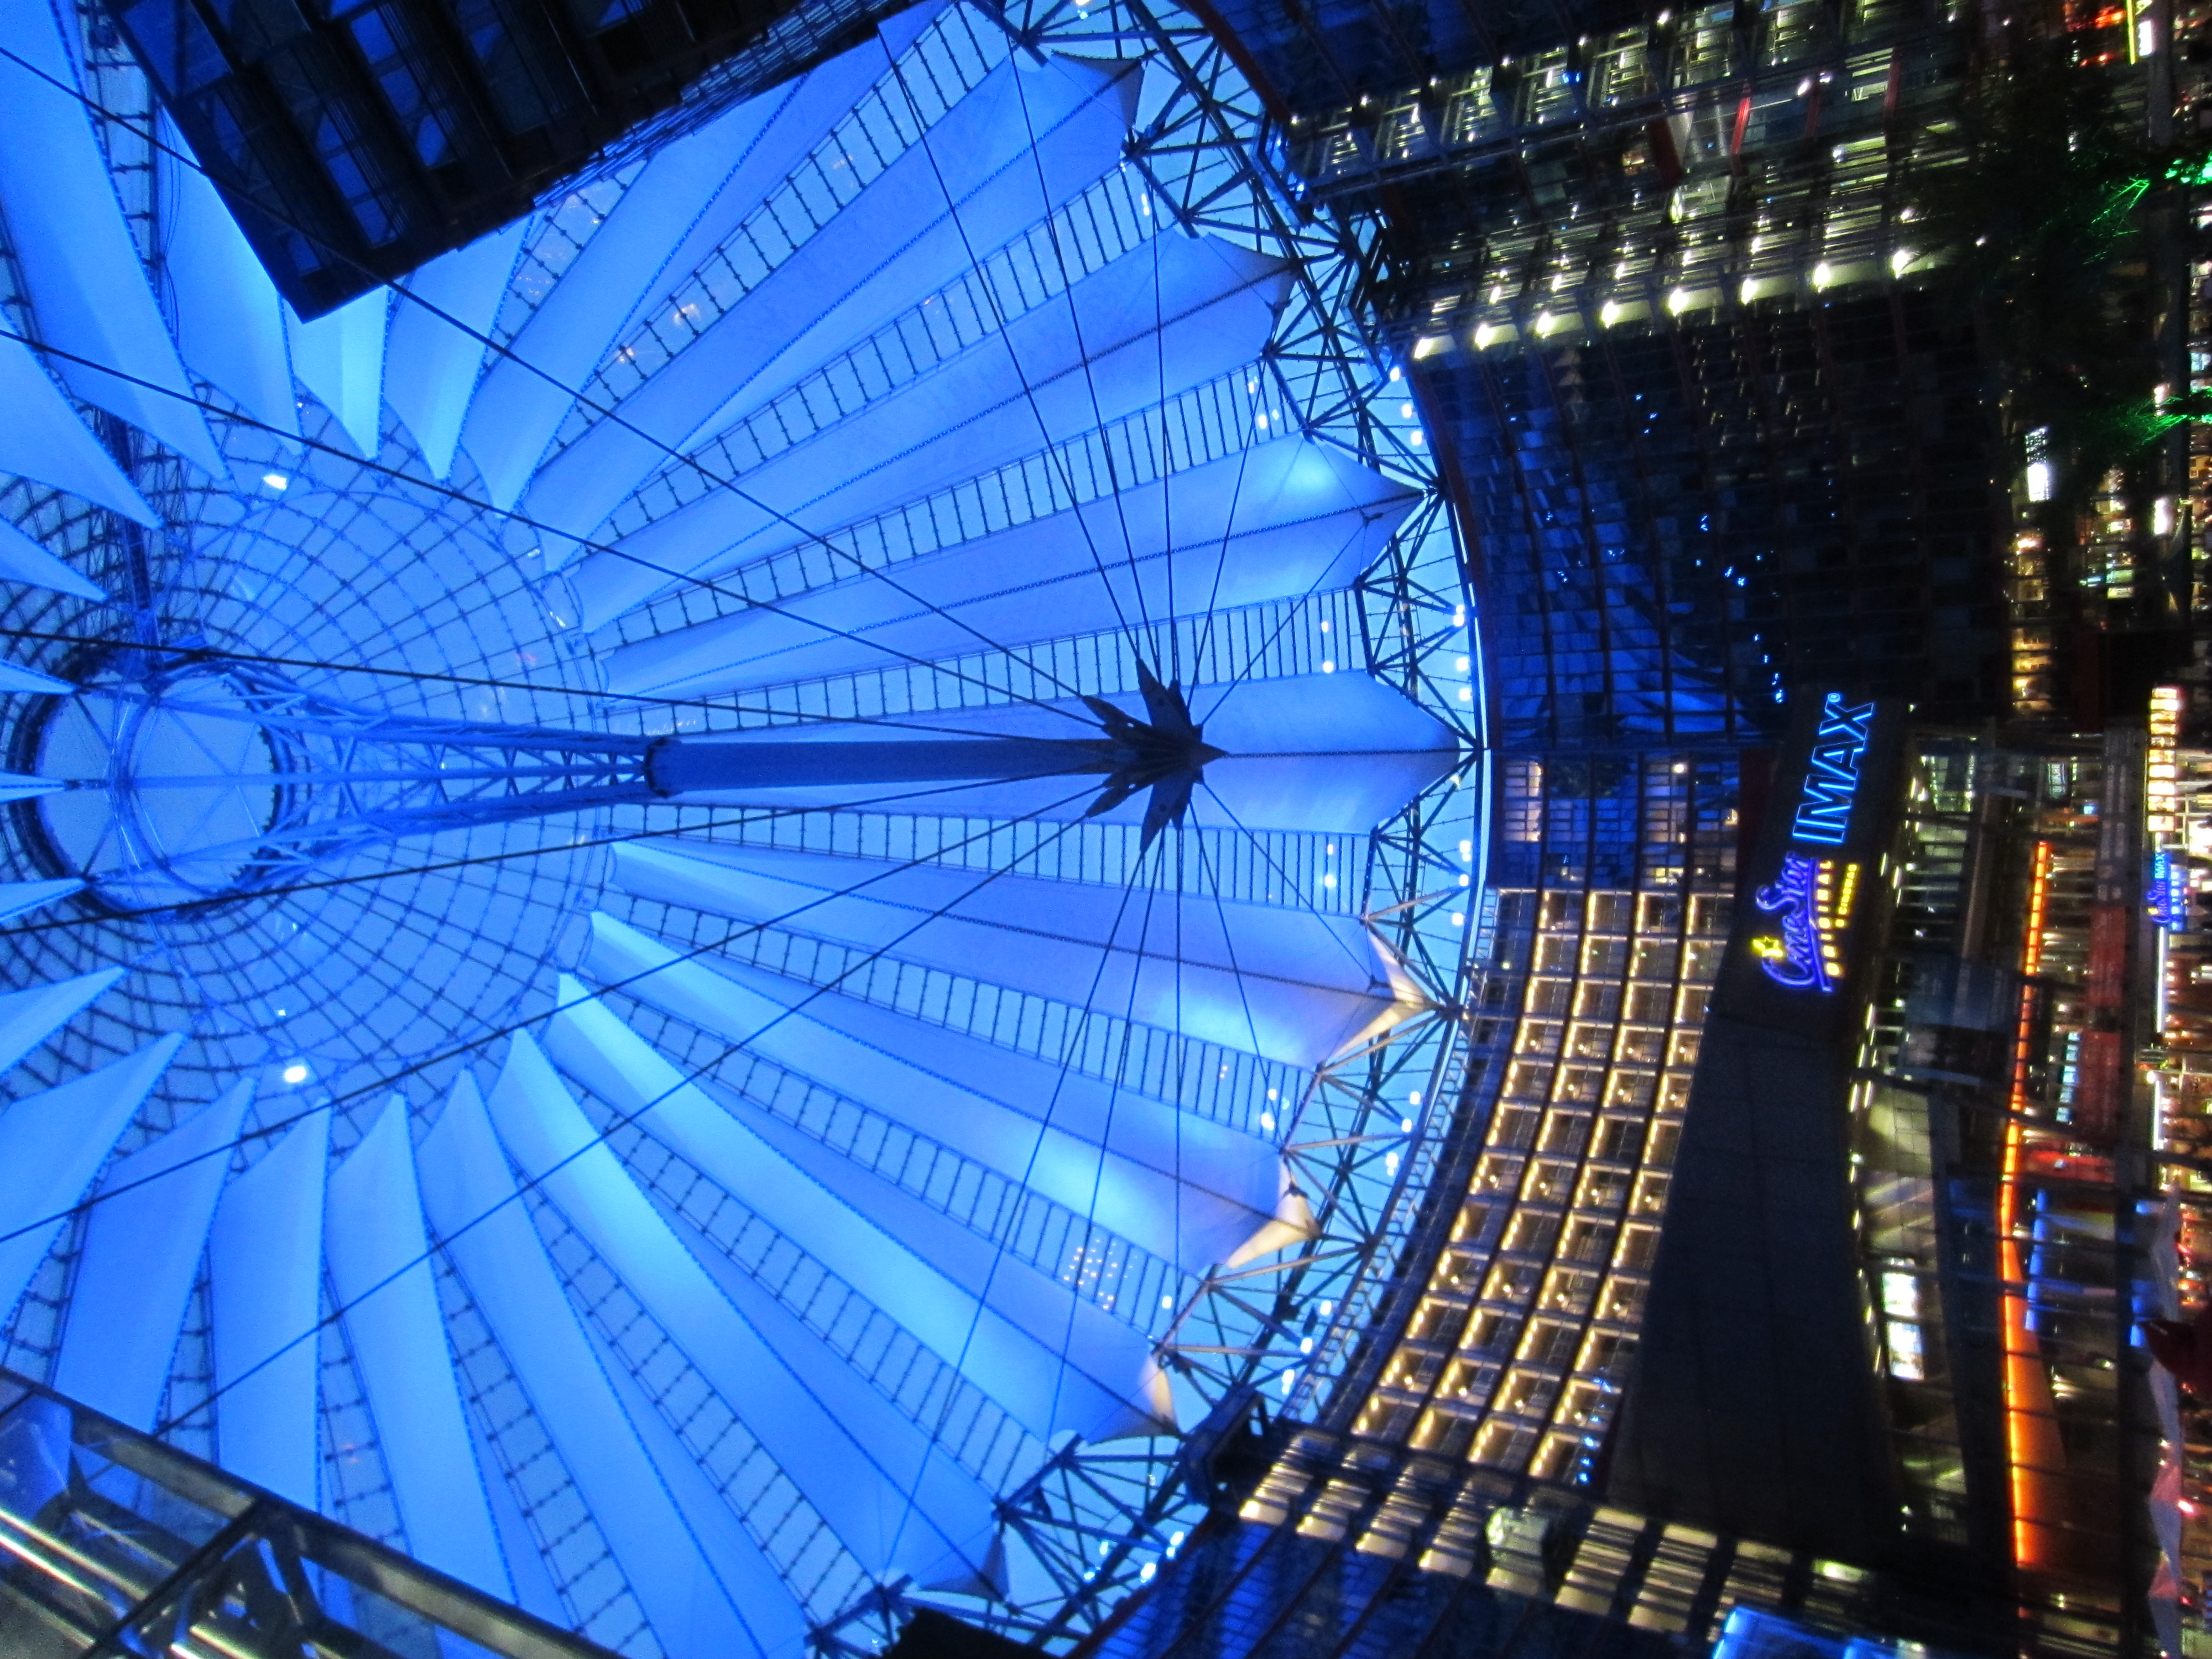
356	143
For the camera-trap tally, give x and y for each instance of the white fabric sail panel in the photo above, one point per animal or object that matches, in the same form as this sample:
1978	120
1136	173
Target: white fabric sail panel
984	180
340	358
439	321
87	289
891	1513
470	1198
142	1249
526	393
1005	398
978	1311
1077	572
230	320
1303	781
576	488
823	1430
15	677
264	1285
1183	1187
1288	985
14	786
902	29
773	1616
794	118
890	247
940	616
42	439
51	1144
1074	128
1316	793
1026	1332
919	441
19	898
534	1590
381	1273
22	560
1336	714
29	1016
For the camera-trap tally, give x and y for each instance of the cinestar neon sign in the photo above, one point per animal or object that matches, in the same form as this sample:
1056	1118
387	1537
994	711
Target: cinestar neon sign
1812	899
1810	902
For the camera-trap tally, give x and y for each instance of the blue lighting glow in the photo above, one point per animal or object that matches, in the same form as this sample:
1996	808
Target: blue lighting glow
2168	889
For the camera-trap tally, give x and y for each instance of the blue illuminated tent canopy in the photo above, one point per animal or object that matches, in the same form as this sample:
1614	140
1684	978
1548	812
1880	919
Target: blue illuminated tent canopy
700	894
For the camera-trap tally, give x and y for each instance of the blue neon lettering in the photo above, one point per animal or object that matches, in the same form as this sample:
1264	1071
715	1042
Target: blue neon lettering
1832	777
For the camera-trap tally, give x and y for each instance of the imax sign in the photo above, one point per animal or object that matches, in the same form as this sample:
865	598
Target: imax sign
1831	779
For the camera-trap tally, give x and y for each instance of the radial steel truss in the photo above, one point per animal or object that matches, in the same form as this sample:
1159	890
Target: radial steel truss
340	776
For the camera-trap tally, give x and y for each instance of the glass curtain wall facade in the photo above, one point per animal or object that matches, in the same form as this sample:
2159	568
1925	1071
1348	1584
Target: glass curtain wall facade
2007	1253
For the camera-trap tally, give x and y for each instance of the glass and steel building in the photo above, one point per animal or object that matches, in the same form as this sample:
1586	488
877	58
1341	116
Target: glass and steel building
1731	1323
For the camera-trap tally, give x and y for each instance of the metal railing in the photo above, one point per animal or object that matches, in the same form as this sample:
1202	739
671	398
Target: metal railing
114	1544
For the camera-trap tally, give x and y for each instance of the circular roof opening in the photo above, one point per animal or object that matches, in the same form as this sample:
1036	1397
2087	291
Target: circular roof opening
174	785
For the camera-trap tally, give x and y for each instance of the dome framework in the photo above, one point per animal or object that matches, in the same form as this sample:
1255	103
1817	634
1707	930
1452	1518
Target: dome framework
603	954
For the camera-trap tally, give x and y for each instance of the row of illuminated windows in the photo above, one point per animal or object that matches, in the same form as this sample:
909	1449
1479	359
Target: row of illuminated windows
1511	1356
1657	918
1538	1361
1559	85
1684	251
1550	244
1656	811
1573	1232
1600	958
